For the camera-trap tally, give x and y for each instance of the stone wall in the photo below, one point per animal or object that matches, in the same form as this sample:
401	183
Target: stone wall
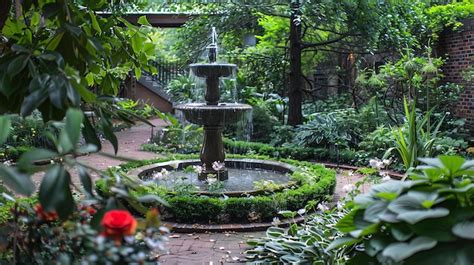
458	47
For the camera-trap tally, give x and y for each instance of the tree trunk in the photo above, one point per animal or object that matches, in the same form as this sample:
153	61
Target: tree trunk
4	11
295	91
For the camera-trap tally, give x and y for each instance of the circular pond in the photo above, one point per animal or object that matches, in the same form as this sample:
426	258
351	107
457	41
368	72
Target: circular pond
282	185
246	176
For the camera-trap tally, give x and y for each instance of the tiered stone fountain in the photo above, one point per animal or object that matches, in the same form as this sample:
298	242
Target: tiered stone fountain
237	175
259	187
212	115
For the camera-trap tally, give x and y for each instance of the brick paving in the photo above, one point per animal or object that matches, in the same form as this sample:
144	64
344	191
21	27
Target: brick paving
207	248
199	248
228	248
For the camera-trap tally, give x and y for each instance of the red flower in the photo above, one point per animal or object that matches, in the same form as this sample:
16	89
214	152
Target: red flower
118	223
43	215
88	210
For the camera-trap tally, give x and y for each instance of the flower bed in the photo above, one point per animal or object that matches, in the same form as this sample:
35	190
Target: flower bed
313	183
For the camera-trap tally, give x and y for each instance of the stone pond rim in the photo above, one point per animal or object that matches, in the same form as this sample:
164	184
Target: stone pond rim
237	163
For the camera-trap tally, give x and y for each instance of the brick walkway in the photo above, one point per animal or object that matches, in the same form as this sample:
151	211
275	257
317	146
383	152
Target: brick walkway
226	248
207	248
217	248
129	141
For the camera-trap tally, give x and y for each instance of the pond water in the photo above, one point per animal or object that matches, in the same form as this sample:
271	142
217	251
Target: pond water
239	180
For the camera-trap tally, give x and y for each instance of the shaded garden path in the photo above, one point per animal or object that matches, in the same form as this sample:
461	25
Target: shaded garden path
202	248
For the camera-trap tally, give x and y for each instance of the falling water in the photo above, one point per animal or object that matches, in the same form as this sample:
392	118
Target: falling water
199	87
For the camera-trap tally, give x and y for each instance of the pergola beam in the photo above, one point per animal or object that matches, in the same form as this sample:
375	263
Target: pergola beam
159	20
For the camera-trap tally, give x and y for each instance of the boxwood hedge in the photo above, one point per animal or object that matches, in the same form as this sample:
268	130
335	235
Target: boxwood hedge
314	183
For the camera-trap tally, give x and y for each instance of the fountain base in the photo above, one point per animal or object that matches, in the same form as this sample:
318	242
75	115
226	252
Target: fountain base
221	175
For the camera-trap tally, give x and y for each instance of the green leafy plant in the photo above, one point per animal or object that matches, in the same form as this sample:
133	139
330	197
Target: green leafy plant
416	138
291	151
176	137
303	244
322	131
78	238
378	141
427	219
138	108
182	89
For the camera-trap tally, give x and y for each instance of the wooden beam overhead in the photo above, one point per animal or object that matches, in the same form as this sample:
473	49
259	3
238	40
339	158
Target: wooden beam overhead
159	20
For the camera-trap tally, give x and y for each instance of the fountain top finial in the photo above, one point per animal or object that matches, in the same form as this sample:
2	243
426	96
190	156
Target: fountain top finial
213	46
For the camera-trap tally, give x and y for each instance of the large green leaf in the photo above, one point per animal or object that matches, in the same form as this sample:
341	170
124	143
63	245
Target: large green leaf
90	134
54	42
109	135
71	132
364	200
401	232
452	163
438	229
376	244
17	65
33	101
5	127
28	159
414	217
275	232
342	241
444	254
390	187
85	180
95	23
414	207
55	192
464	230
143	21
374	211
401	251
16	181
73	124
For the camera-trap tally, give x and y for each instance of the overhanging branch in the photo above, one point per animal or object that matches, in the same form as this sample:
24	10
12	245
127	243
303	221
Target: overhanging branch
323	43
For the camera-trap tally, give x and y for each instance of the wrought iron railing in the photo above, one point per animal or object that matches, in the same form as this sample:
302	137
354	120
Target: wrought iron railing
166	71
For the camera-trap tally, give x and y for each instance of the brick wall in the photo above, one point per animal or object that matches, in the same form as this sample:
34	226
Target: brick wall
458	46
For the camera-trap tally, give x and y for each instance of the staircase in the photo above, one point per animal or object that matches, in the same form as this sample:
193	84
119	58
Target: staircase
152	88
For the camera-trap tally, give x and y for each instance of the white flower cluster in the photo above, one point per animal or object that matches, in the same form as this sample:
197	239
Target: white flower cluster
385	176
348	188
379	164
323	206
218	166
198	169
8	163
160	175
211	178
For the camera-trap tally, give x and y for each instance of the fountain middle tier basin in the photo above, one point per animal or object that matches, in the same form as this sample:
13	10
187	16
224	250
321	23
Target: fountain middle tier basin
212	69
214	115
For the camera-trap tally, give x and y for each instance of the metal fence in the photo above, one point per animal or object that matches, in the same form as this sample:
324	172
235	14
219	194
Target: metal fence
167	71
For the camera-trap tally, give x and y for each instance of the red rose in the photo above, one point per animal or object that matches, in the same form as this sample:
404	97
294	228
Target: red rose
118	223
43	215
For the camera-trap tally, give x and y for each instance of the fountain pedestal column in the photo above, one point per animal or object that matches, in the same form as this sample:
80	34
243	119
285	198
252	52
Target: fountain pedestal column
212	92
213	151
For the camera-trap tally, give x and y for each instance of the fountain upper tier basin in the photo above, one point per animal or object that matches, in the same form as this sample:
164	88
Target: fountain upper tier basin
212	69
214	115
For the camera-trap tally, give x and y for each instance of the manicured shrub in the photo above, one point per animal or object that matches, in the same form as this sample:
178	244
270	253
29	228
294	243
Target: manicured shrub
314	183
293	152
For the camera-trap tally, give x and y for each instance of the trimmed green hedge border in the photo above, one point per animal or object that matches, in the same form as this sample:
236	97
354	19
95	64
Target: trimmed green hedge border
298	153
346	156
316	183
